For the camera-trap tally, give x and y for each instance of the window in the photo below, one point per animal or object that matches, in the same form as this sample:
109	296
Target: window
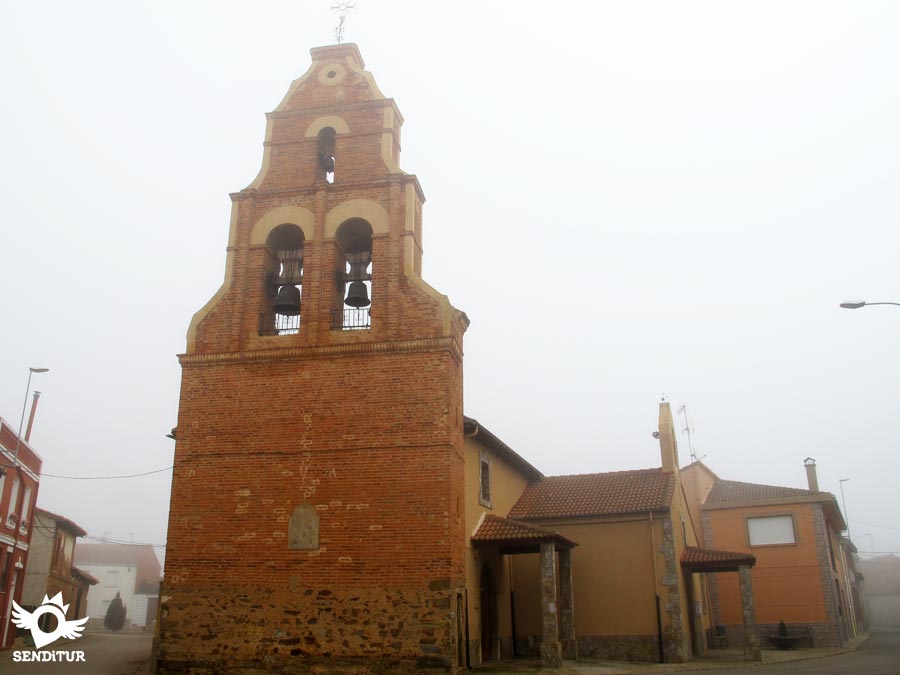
484	481
771	530
26	507
11	516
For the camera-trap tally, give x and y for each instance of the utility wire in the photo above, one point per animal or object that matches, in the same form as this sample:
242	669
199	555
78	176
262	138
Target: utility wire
131	475
883	527
107	540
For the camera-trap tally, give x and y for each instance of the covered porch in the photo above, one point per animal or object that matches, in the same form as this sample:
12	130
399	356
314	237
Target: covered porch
709	561
513	537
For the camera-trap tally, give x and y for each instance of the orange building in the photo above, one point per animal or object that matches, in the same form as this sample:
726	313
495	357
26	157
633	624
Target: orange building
801	572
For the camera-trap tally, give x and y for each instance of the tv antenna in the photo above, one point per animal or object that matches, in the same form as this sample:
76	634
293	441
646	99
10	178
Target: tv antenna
342	9
688	429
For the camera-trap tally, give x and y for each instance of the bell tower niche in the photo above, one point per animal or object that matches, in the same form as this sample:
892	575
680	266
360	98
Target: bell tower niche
315	510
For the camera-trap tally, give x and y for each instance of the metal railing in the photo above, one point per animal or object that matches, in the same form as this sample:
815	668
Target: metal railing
279	324
351	319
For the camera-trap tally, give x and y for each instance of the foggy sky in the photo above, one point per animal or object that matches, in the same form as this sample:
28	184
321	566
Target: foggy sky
628	199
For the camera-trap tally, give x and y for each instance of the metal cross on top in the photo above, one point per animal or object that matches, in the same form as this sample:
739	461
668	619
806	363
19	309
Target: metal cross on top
342	9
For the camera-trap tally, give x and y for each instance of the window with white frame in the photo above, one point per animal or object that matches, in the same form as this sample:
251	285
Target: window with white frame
771	530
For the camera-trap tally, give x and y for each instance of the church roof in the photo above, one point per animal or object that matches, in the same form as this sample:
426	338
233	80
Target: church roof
596	494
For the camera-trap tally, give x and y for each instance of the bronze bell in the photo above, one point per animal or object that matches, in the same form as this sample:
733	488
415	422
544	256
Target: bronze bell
357	296
288	301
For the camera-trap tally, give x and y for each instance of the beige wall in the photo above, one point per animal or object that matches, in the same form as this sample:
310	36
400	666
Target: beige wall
613	578
507	485
697	481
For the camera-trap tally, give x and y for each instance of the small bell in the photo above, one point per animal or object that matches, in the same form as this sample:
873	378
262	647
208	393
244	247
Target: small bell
358	295
288	301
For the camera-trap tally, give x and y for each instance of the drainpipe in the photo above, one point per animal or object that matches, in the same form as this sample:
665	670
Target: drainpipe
659	636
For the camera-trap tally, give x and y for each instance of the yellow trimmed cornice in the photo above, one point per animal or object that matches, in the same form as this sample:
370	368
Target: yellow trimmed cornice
423	345
223	289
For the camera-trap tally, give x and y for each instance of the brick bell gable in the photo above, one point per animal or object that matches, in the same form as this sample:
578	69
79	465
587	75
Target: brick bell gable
315	516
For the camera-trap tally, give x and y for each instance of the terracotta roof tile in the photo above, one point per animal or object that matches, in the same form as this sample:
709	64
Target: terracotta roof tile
735	491
494	529
596	494
72	526
711	560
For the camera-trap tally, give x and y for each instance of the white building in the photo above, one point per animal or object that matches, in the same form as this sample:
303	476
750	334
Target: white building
132	571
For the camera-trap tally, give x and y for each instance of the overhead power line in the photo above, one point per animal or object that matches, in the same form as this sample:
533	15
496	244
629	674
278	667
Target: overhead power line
130	475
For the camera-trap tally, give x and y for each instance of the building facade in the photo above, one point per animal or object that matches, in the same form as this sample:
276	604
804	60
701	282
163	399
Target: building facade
20	471
801	576
50	567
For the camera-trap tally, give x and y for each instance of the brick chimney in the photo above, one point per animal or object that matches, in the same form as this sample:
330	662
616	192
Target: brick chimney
668	447
810	464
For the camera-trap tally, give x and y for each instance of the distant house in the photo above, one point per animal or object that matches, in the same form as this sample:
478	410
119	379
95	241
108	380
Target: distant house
882	590
131	570
20	476
801	573
50	569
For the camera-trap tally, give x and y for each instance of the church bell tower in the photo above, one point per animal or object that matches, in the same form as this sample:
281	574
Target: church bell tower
315	516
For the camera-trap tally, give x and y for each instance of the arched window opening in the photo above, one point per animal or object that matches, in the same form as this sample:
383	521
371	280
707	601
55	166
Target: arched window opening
353	276
325	154
283	281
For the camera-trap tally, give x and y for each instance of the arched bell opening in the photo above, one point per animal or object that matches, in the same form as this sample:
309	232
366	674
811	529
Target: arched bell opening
353	276
325	154
283	281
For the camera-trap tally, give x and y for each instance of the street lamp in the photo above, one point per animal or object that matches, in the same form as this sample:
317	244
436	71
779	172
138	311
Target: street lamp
31	371
856	304
844	504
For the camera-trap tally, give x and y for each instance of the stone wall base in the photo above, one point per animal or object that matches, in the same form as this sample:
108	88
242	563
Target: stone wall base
613	647
822	634
307	666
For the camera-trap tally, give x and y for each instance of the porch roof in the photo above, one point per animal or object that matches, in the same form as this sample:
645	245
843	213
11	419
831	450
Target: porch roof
516	537
710	560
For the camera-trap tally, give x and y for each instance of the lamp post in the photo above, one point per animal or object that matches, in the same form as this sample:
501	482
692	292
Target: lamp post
844	504
856	304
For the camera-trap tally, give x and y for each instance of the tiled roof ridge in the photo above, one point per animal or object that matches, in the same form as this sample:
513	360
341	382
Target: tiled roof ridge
657	469
596	494
736	483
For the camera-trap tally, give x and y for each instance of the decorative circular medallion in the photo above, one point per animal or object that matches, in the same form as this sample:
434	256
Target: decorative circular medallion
332	73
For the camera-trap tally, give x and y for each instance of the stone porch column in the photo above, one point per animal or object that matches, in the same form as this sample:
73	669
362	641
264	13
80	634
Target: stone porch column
751	637
567	606
551	650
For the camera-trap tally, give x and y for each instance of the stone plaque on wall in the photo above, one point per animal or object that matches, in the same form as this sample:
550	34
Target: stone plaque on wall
303	531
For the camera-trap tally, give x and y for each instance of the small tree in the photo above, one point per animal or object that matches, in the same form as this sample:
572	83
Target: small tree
782	629
115	615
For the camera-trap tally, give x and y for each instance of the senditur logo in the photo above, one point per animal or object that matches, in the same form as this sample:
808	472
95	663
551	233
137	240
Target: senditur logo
70	630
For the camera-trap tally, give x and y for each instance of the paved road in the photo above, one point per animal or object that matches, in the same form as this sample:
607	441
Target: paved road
879	655
104	654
